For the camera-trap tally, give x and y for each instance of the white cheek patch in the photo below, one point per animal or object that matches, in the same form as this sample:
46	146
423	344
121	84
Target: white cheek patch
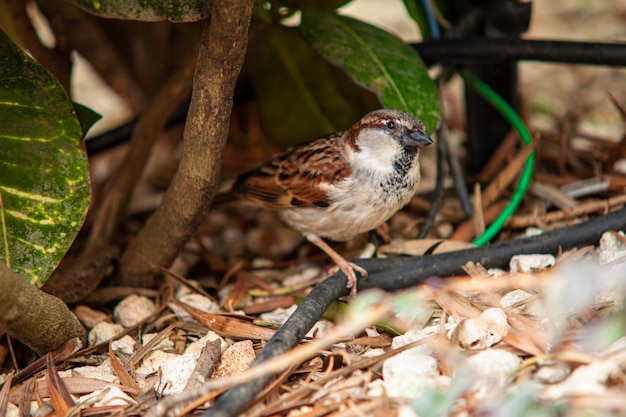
377	152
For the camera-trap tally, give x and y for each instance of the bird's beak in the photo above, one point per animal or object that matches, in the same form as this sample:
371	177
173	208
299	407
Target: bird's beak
417	139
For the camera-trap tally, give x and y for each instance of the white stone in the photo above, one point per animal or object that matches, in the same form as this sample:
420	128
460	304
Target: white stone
175	373
591	379
13	410
152	362
278	315
125	345
514	297
490	371
530	263
133	309
102	372
414	335
483	331
163	344
194	300
103	332
552	373
410	373
611	248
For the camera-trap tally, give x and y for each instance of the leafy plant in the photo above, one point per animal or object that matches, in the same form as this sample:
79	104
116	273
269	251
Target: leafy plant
44	179
294	75
318	76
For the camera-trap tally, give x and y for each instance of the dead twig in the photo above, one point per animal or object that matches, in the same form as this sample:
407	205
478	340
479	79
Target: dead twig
527	220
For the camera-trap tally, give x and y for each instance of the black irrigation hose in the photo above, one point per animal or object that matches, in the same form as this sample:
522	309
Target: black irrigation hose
121	134
398	273
490	51
237	399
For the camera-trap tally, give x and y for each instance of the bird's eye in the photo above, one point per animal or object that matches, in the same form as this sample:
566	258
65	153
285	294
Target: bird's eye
391	124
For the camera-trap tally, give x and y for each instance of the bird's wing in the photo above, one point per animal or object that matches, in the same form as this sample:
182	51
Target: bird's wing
302	176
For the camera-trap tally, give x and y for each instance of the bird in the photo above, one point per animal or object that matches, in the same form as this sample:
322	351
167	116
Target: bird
343	184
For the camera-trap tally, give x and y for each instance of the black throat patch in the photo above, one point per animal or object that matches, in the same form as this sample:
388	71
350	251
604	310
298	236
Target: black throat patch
403	164
396	184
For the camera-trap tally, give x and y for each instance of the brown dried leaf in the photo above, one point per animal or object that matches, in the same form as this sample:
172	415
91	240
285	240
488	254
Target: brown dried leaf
229	326
552	194
75	385
59	394
125	378
59	354
240	289
270	305
422	246
4	394
145	349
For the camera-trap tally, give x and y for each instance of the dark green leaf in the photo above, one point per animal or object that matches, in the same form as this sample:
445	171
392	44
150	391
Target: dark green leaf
300	96
44	181
377	60
86	117
149	10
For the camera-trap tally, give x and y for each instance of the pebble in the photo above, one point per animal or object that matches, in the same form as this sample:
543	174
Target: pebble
611	248
235	360
175	373
491	370
133	309
530	263
410	373
483	331
194	300
103	332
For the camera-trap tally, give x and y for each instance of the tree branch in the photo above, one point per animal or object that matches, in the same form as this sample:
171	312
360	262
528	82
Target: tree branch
222	50
39	320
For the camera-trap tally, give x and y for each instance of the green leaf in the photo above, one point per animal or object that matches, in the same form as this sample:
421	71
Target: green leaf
300	95
376	60
86	117
149	10
44	181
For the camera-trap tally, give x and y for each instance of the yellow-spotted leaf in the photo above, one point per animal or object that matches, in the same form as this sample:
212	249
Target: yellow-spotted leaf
149	10
44	180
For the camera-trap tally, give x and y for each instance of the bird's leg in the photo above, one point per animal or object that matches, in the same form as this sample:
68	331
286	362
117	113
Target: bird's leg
348	268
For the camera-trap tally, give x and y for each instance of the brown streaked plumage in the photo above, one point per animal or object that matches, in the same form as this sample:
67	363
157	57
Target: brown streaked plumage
343	184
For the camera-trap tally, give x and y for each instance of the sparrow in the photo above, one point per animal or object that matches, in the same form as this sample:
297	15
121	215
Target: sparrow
343	184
